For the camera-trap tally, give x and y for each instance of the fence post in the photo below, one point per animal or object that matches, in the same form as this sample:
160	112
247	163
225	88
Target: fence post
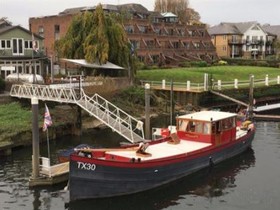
188	85
205	82
278	80
236	83
266	80
219	84
163	84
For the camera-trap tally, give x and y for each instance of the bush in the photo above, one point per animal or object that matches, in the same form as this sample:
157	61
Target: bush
199	64
185	64
251	62
2	85
140	65
221	62
134	95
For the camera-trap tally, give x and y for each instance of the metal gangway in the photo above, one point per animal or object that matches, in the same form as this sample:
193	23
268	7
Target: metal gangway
97	106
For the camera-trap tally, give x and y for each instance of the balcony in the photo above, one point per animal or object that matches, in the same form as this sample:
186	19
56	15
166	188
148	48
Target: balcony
254	42
236	41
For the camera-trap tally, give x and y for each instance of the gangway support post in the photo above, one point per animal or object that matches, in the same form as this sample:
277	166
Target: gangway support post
35	139
147	111
251	97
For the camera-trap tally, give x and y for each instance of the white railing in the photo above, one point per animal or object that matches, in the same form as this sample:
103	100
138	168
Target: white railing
121	122
205	86
166	85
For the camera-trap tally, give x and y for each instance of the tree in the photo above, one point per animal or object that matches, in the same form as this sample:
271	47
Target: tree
276	46
179	7
97	38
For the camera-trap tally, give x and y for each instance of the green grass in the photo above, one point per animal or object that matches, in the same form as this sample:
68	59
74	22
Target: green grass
14	119
196	75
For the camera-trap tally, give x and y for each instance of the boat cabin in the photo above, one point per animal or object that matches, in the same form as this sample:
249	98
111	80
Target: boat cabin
207	126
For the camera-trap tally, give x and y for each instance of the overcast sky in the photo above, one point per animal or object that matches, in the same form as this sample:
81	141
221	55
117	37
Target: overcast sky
212	12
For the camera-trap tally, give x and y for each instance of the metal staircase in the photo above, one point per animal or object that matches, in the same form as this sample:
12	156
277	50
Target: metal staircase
97	106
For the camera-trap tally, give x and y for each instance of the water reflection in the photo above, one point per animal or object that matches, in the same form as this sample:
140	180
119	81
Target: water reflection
207	183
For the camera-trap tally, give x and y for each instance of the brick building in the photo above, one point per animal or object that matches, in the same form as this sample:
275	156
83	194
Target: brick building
157	39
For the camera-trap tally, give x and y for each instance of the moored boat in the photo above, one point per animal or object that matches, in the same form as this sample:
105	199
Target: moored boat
201	139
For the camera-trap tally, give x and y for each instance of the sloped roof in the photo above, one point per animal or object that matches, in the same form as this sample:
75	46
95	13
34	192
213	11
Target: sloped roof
9	28
244	26
4	22
135	8
224	28
272	30
232	28
71	11
84	63
168	14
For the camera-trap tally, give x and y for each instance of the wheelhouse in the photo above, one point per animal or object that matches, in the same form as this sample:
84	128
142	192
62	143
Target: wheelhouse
209	127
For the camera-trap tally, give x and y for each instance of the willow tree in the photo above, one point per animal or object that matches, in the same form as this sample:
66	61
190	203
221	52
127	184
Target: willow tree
97	38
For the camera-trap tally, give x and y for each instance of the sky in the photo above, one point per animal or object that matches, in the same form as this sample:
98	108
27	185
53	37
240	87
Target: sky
212	12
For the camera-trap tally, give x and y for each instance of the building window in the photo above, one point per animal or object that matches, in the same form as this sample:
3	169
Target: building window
26	44
3	44
56	28
41	31
8	46
224	48
17	46
129	29
224	37
142	29
56	32
202	33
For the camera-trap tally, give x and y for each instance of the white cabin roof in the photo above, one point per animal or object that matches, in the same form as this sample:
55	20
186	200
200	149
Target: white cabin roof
208	116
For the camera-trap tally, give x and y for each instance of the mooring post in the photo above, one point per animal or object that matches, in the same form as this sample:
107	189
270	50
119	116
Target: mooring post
35	139
147	110
171	103
251	97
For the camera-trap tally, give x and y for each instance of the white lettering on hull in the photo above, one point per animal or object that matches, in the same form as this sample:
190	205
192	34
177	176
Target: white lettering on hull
86	166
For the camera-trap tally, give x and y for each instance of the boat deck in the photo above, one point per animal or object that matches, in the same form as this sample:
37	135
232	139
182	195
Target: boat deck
163	150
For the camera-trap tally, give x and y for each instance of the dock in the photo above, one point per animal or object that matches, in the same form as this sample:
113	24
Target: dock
50	175
267	117
267	107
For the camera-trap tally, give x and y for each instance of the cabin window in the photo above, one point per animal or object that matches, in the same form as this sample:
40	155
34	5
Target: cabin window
198	127
194	126
216	127
228	123
207	128
183	125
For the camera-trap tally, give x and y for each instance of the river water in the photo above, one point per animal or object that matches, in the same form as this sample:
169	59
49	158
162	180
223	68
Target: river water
249	181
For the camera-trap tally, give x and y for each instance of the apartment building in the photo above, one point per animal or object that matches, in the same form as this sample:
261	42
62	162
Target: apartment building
157	39
242	40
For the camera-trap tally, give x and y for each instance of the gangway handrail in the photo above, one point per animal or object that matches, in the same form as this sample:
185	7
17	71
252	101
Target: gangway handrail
105	111
120	116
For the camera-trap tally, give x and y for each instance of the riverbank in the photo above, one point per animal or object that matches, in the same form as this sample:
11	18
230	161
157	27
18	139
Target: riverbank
15	127
16	130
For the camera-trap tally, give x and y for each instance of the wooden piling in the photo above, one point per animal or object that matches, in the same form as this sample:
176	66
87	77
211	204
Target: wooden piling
147	111
35	139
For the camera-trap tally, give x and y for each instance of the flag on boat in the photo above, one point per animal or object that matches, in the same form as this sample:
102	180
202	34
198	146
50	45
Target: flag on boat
47	118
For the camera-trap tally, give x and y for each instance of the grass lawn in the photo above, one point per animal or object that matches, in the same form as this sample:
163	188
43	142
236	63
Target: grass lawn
14	119
196	75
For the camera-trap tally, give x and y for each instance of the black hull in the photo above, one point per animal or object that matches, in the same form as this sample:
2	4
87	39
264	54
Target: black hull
103	180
